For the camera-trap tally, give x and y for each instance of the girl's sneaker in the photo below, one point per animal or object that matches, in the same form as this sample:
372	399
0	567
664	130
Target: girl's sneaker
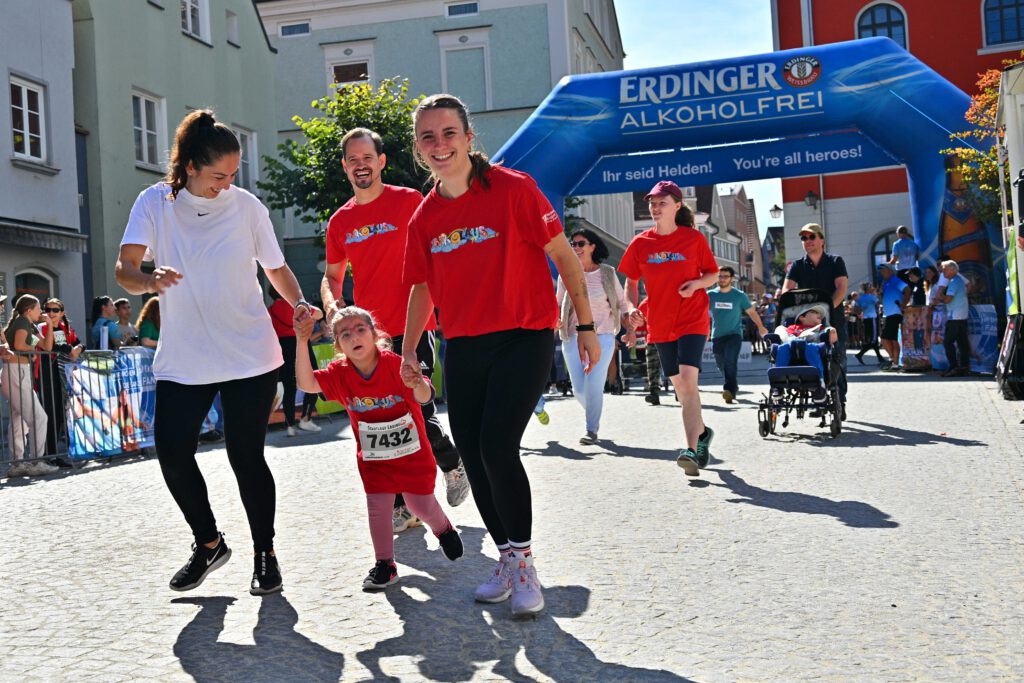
383	574
688	461
203	561
451	543
499	586
527	599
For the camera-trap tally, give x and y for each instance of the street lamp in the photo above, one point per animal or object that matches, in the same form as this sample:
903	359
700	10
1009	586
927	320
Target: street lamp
811	199
775	211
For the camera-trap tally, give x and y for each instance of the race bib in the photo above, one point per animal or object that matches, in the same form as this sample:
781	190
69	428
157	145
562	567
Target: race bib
389	440
727	305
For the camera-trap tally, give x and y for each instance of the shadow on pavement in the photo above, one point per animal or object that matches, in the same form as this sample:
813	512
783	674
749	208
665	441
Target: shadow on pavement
878	435
558	450
852	513
280	654
451	638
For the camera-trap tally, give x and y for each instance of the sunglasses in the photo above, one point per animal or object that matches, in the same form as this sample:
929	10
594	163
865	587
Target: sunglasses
54	310
579	245
808	238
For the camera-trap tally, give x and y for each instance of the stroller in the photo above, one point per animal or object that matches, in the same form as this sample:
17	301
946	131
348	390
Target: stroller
790	387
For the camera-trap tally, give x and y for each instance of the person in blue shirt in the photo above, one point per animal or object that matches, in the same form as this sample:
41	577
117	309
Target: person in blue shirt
727	306
104	315
895	296
955	338
905	252
867	302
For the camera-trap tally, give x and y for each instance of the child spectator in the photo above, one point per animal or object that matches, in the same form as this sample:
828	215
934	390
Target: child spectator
808	328
393	452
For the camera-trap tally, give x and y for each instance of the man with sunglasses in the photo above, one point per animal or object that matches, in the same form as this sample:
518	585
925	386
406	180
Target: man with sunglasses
728	305
819	269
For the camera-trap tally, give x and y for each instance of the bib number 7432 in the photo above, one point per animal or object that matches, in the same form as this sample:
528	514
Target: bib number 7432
389	440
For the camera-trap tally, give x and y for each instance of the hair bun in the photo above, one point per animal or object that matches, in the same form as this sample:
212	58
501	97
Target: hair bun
205	119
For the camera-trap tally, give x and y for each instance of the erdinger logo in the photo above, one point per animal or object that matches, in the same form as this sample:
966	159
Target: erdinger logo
363	405
665	257
367	231
801	71
451	241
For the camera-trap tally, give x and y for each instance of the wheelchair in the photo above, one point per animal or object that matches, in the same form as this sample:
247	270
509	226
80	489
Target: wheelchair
791	386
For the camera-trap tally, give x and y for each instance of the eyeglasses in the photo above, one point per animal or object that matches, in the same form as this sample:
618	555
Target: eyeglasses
355	330
726	276
808	238
54	310
579	245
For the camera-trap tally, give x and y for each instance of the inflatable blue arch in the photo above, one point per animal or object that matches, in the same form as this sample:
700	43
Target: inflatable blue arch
841	107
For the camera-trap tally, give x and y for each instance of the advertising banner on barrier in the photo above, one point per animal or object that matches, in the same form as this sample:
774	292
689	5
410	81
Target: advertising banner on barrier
324	354
916	350
746	354
982	330
111	399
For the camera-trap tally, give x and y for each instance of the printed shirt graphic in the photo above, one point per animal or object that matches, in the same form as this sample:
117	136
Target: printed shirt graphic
382	398
665	262
482	256
727	310
372	237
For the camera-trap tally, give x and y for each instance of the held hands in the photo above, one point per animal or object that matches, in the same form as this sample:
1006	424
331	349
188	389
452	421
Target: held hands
590	349
162	278
636	318
412	377
303	320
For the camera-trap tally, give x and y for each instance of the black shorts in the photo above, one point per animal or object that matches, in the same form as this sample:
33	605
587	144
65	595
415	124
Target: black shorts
687	350
891	327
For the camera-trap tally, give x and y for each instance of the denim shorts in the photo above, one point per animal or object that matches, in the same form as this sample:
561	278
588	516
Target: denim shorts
687	350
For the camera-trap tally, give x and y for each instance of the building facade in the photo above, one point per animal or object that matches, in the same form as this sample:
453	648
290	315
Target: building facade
502	57
140	67
958	39
41	246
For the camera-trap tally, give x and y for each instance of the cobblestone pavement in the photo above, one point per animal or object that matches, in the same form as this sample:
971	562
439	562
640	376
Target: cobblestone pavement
893	553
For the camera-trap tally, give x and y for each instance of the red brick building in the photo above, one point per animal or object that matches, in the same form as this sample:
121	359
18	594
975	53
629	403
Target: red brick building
957	38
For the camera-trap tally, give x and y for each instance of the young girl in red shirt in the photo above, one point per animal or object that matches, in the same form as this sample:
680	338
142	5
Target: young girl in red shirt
383	401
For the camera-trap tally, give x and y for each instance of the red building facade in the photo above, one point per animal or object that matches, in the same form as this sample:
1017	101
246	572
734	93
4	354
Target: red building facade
957	38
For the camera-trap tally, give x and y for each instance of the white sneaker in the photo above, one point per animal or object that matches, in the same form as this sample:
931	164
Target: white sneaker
499	586
40	468
308	425
402	519
17	469
291	431
456	485
527	598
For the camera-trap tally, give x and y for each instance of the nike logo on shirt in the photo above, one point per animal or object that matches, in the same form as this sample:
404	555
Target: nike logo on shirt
205	214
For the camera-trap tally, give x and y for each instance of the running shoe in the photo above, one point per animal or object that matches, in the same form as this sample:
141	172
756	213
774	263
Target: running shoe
266	575
291	431
728	396
543	417
589	439
402	519
383	574
688	461
527	598
653	399
456	486
499	587
704	447
308	425
203	561
451	543
819	395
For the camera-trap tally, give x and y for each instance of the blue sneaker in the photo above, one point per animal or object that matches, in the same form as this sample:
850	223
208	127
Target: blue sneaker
704	447
688	461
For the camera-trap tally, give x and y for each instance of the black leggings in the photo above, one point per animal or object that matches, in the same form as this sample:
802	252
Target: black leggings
870	341
494	381
288	380
180	409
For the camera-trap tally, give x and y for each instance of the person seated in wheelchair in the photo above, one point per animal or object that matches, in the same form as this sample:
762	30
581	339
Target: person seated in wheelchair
804	338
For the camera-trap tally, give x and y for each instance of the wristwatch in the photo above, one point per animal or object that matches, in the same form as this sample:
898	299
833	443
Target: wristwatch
303	302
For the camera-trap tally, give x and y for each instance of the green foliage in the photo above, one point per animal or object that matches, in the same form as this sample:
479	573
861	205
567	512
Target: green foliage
309	177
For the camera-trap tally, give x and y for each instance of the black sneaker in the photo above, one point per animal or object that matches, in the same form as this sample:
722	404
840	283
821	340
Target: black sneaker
451	543
203	561
266	575
212	436
383	574
704	447
819	395
653	399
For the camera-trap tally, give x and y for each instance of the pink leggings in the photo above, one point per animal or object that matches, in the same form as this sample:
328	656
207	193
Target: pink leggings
380	505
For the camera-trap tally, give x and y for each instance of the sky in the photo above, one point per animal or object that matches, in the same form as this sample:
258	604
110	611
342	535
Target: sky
664	32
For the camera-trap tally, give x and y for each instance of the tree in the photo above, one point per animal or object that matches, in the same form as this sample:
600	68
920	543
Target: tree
308	176
980	167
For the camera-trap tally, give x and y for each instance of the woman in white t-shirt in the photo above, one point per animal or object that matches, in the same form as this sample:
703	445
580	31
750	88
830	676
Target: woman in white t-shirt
610	308
205	236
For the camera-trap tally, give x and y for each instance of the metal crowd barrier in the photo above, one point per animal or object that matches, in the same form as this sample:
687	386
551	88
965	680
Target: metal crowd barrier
100	405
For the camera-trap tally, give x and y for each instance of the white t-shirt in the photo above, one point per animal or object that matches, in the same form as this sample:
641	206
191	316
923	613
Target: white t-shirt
214	326
933	293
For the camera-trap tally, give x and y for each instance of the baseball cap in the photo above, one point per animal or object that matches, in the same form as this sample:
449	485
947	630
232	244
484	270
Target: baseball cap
815	228
663	187
884	266
3	299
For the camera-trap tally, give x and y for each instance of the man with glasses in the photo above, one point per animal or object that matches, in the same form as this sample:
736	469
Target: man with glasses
727	306
820	270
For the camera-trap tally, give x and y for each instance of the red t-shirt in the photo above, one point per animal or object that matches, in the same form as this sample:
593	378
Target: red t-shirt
282	316
482	256
371	404
665	262
372	237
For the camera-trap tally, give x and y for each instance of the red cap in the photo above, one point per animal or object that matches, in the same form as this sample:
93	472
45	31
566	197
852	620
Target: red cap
665	187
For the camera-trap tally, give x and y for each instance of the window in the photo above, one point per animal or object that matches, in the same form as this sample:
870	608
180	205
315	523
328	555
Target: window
231	22
462	9
885	20
248	167
1004	21
193	18
28	121
147	127
466	65
881	250
38	283
294	29
351	73
349	62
